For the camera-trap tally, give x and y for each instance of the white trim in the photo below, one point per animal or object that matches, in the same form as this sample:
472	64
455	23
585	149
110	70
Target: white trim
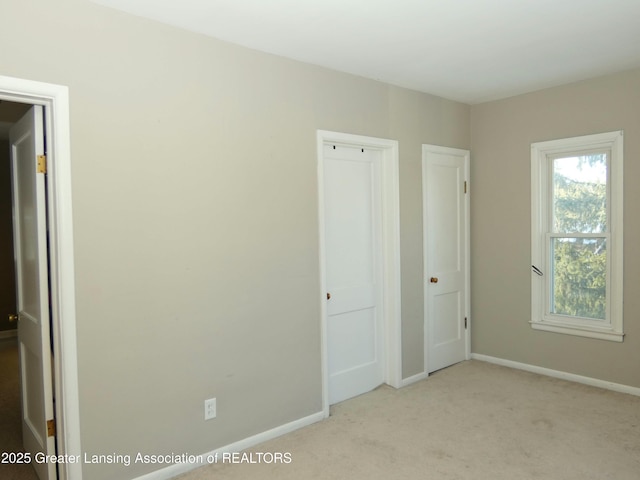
180	468
391	252
541	318
55	98
582	331
467	240
594	382
414	379
7	334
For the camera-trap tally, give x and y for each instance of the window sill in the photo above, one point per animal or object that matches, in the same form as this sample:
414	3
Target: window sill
601	334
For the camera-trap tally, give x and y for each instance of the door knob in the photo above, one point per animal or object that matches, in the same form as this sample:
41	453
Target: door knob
434	280
328	296
13	318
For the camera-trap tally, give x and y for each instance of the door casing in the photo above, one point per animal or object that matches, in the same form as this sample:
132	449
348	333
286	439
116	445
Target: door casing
55	99
390	247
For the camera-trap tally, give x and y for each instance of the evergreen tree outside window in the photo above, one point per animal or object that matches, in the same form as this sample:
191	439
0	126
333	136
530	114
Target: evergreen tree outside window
577	236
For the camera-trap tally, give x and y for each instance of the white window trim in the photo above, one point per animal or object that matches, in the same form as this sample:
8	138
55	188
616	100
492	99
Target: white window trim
541	318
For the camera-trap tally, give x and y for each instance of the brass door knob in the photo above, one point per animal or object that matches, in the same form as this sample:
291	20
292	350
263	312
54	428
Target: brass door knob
328	296
434	280
13	318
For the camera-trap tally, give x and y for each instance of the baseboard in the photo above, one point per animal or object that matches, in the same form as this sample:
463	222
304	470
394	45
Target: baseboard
180	468
413	379
8	334
594	382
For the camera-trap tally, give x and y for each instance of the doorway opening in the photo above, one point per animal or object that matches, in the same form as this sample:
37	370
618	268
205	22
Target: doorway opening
446	247
10	391
59	233
358	177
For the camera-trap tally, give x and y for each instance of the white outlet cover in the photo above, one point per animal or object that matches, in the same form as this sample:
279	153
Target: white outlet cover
210	408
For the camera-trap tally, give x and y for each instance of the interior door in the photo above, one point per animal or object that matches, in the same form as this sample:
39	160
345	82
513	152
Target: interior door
446	227
32	285
353	242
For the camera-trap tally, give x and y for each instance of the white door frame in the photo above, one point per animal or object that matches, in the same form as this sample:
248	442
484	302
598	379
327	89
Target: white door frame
391	254
55	99
467	246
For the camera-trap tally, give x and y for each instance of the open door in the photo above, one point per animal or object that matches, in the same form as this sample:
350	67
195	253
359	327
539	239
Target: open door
446	255
354	272
32	285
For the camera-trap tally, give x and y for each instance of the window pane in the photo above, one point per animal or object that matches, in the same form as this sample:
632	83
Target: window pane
580	194
579	277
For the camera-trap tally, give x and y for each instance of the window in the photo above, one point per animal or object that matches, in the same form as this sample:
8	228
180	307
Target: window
576	236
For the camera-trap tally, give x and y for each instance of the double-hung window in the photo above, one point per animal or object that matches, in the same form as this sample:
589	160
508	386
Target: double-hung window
577	212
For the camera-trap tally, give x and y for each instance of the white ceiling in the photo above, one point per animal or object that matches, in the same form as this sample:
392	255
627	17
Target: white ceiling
466	50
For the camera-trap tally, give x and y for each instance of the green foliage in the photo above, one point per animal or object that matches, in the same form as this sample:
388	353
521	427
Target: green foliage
579	207
579	278
579	263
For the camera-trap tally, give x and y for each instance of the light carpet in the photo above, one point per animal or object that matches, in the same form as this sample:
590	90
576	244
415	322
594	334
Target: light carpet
473	420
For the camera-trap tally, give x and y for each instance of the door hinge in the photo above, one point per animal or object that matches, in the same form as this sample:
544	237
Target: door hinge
42	164
465	323
51	428
465	186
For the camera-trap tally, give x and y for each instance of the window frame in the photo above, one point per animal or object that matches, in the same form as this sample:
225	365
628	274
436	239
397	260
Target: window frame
542	155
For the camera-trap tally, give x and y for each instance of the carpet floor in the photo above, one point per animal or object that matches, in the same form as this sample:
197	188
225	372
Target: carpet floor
473	420
10	416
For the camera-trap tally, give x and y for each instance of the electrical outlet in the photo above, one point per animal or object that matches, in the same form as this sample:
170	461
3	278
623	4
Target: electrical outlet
210	408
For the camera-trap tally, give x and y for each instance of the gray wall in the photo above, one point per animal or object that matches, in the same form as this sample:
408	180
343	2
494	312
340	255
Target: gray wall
502	133
195	216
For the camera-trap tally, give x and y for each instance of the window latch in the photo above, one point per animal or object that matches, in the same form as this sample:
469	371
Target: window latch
536	270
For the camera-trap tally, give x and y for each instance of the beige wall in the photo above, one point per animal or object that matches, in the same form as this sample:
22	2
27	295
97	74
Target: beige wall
502	133
195	216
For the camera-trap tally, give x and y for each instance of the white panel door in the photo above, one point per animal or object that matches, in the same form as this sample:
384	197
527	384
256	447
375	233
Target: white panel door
30	235
353	243
446	226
